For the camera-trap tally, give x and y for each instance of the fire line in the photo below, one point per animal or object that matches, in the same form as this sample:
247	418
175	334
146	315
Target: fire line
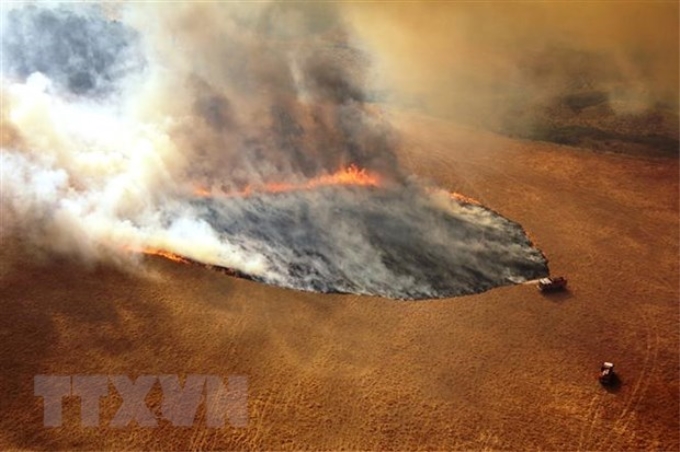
352	175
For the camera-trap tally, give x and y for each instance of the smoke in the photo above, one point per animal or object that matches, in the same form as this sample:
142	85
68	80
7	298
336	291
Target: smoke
549	70
274	91
80	52
113	118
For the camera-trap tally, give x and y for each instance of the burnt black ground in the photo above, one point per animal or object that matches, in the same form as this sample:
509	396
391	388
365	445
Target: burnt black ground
398	242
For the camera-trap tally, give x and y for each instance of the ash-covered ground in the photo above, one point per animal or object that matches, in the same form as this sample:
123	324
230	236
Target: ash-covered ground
397	242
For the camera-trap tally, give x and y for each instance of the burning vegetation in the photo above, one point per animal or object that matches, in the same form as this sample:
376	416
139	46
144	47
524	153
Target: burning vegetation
350	176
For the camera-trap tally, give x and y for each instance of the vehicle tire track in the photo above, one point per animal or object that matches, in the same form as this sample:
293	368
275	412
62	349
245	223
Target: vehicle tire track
591	420
642	384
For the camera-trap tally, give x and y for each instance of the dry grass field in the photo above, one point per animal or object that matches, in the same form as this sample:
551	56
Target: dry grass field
508	369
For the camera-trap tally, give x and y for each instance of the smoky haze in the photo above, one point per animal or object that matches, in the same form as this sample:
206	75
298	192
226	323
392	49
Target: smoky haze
116	118
556	71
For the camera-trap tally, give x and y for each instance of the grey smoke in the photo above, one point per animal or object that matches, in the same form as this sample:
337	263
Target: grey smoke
79	49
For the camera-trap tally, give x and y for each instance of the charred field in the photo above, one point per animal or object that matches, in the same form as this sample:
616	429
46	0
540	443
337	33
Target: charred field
405	245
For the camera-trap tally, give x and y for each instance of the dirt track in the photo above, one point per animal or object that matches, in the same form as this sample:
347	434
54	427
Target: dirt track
506	369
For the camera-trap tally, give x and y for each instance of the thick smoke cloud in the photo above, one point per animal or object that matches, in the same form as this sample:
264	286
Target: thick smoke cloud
80	52
114	119
274	91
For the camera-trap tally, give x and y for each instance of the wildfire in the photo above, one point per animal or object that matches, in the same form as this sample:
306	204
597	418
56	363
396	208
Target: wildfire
149	251
202	192
158	252
464	199
352	175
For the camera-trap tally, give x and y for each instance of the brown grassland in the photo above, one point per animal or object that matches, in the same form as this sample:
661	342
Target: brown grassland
507	369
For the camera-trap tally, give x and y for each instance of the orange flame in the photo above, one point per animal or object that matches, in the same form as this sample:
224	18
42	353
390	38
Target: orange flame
352	175
149	251
464	199
202	192
158	252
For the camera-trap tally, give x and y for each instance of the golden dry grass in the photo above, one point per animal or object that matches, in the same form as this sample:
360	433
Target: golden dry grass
507	369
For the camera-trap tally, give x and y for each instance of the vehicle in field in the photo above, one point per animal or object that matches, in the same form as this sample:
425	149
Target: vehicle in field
552	284
607	376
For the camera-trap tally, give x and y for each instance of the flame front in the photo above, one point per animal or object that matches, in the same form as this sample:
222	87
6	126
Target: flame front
149	251
464	199
350	176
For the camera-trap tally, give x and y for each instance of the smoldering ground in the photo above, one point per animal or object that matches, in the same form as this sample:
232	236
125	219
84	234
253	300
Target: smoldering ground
112	118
